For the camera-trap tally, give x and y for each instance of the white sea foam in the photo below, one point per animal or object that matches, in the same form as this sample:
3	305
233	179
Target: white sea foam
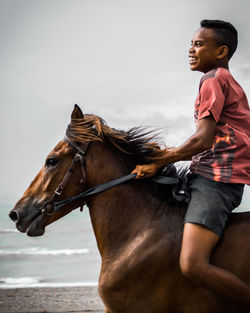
36	282
18	281
44	251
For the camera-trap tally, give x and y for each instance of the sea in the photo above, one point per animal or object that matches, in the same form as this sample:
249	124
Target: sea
66	255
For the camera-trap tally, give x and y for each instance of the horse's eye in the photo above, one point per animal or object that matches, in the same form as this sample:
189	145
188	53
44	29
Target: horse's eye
51	162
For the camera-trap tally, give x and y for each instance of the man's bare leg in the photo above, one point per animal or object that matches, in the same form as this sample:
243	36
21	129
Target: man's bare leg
197	246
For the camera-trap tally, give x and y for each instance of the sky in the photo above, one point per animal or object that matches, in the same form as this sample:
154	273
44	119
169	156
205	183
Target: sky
123	60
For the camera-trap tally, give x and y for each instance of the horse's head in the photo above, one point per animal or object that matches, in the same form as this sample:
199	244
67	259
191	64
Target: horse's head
28	213
64	175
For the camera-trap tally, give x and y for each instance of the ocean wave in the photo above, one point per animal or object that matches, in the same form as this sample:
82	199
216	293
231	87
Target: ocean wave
44	251
36	282
14	281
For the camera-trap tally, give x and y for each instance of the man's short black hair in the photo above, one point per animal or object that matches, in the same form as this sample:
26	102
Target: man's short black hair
225	32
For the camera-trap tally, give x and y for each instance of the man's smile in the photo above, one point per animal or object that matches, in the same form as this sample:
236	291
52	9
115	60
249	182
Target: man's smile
192	59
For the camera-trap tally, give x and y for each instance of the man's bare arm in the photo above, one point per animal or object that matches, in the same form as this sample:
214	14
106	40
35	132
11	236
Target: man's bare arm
200	141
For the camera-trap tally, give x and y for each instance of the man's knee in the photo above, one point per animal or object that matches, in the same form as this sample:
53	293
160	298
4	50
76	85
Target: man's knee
192	269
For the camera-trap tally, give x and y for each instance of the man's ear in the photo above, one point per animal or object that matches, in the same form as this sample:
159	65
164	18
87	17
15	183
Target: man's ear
222	52
76	113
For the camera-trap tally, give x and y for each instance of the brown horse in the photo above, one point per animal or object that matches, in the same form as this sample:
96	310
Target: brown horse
138	225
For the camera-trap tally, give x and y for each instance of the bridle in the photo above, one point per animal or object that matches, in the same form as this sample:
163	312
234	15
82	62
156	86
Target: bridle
53	205
79	158
179	190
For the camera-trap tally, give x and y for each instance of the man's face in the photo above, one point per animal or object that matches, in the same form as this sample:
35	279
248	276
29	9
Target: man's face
203	51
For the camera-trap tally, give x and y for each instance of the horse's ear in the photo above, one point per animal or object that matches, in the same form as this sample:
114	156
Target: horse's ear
76	113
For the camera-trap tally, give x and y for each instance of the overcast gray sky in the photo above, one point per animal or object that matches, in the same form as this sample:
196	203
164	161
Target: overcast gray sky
123	60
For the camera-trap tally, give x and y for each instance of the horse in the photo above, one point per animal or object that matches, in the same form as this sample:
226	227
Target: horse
138	224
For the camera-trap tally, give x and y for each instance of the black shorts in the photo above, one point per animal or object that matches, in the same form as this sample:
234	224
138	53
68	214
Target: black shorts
212	202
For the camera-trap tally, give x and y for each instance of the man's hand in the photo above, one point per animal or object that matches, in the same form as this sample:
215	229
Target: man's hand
200	141
147	170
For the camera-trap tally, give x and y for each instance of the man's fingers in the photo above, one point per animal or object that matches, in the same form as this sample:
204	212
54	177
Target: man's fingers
142	171
138	171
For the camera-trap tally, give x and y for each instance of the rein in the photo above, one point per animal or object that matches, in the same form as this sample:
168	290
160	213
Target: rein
94	190
179	190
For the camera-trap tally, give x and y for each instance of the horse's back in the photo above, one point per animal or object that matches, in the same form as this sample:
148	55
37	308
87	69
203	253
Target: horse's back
233	250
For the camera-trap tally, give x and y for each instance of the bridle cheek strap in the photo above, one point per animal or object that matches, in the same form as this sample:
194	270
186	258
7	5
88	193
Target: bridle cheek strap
79	158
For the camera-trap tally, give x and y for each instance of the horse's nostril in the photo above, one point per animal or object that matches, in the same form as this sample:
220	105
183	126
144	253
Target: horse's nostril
13	215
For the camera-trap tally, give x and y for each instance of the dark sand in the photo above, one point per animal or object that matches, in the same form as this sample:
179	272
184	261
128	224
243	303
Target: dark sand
63	299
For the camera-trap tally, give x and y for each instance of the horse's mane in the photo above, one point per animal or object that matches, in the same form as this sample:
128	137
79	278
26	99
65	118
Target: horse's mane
139	145
138	142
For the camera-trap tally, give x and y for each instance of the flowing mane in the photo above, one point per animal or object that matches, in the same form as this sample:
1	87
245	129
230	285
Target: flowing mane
137	142
138	145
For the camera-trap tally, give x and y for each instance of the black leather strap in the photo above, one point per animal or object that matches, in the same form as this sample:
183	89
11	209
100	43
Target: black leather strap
95	190
178	193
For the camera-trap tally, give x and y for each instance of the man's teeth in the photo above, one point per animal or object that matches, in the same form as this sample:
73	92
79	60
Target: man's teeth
192	59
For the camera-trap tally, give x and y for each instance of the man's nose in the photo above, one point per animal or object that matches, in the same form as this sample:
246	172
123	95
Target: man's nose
191	49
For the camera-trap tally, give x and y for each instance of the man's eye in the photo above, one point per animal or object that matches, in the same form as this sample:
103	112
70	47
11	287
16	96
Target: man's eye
51	162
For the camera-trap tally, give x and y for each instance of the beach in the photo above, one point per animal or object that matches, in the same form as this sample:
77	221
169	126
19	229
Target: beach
51	300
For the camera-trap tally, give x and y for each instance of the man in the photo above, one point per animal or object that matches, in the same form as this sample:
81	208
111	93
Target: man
220	151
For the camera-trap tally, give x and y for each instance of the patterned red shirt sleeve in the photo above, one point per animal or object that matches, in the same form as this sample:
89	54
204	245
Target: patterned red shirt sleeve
212	99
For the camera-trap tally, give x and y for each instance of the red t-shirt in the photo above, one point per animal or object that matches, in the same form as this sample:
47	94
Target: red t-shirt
228	160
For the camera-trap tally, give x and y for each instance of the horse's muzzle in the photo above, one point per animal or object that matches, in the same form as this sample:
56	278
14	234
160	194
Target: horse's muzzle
28	218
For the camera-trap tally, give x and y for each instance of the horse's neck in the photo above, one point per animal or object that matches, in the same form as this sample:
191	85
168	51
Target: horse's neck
126	211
